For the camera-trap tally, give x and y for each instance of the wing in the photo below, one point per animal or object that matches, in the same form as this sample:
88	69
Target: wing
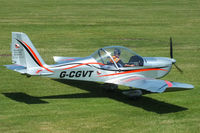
149	84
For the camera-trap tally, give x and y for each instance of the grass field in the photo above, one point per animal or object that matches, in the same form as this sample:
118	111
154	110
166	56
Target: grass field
78	28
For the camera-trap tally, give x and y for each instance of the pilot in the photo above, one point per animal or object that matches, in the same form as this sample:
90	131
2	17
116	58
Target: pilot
118	61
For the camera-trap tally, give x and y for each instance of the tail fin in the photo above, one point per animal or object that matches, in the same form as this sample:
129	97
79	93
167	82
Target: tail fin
23	51
25	57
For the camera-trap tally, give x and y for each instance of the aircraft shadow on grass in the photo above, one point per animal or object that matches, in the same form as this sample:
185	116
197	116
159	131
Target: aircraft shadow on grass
95	91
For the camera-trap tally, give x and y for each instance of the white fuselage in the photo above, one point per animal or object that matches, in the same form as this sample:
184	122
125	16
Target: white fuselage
88	69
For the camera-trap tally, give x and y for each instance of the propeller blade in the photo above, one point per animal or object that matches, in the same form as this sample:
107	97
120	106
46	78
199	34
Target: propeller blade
171	48
178	68
171	55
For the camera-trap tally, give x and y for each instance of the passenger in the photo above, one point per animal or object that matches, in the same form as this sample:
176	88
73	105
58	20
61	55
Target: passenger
118	61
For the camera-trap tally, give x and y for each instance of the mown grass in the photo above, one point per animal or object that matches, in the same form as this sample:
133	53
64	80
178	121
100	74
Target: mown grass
78	28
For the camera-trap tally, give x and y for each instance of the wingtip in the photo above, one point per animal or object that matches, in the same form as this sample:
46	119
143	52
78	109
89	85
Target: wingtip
179	87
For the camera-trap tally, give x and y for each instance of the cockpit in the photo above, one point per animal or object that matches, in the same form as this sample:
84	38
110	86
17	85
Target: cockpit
115	57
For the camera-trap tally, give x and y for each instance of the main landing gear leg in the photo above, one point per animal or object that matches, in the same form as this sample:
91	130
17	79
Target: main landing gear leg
110	87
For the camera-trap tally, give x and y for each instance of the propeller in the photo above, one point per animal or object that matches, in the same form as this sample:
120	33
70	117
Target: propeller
178	68
171	48
171	55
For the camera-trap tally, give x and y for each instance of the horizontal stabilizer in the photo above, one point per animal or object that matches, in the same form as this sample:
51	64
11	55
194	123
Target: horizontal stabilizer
15	67
35	71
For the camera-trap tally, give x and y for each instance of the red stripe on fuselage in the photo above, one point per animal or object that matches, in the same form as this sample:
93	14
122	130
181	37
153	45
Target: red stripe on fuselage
35	56
133	71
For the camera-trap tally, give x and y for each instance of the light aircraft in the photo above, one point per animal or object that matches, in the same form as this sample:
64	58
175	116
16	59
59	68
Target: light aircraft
113	65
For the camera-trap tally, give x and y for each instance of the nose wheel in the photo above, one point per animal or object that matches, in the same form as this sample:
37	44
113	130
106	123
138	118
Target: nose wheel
133	93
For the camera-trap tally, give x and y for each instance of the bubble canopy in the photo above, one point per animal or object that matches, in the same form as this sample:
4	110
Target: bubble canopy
107	56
